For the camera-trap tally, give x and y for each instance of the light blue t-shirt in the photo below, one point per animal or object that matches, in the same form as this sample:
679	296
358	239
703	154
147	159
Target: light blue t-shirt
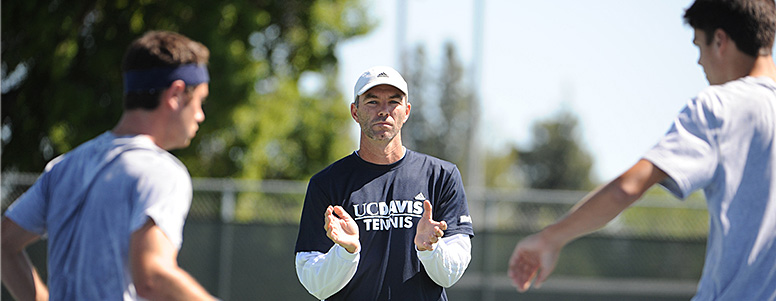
723	143
90	200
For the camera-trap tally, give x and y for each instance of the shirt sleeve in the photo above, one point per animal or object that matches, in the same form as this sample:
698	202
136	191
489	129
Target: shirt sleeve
29	210
448	260
688	151
164	195
312	235
451	205
323	275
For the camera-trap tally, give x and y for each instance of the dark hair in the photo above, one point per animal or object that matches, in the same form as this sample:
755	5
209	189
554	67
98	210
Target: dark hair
751	24
159	49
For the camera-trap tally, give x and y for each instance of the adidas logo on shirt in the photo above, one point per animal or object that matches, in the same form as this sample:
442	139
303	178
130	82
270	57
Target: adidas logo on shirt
465	219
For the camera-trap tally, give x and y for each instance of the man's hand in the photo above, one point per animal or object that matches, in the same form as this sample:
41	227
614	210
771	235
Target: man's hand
532	255
341	228
428	231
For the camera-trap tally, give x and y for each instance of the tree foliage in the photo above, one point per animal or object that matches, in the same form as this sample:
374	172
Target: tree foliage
62	83
443	108
555	159
502	169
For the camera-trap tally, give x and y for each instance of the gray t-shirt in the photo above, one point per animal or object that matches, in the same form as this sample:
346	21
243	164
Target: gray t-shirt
723	143
90	200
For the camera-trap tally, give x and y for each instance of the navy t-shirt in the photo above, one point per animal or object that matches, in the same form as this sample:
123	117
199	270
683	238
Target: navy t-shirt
387	202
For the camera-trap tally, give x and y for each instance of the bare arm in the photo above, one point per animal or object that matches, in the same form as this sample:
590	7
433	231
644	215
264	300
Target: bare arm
538	253
18	274
155	270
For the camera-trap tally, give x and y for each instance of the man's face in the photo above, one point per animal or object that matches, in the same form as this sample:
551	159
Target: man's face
708	57
381	112
189	115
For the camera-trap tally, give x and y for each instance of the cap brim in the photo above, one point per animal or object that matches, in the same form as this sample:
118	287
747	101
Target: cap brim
377	83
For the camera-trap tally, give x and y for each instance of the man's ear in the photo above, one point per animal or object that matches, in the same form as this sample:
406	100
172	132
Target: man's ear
409	108
721	40
172	95
353	111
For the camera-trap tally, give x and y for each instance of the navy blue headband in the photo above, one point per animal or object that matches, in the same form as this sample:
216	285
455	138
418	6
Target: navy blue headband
160	78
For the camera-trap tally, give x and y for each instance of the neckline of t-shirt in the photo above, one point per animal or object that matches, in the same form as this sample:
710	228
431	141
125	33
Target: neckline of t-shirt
763	80
134	139
382	166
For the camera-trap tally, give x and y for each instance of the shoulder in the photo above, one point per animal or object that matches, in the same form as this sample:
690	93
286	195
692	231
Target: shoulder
735	99
421	158
151	158
743	89
149	164
420	163
336	169
86	149
141	158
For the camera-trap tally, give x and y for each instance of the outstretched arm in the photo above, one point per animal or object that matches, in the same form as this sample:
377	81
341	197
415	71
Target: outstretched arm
18	274
323	275
155	270
536	255
445	259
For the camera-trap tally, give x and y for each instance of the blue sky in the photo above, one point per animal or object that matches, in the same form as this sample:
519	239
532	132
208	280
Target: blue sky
625	68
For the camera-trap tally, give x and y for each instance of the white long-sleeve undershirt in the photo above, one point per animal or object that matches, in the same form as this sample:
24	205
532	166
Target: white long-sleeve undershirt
323	275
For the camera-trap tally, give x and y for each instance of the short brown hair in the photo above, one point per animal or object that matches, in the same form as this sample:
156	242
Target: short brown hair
159	49
751	24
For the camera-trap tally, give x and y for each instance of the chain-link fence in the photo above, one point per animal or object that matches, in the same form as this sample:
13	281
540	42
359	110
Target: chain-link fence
240	235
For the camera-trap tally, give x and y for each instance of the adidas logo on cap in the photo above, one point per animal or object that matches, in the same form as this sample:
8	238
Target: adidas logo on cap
379	75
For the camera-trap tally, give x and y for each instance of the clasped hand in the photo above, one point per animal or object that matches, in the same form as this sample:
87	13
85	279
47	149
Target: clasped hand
341	228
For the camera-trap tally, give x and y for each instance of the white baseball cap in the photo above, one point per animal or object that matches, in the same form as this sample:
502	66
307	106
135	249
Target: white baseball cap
379	75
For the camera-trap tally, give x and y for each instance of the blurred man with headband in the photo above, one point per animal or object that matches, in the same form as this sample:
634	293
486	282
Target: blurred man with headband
113	208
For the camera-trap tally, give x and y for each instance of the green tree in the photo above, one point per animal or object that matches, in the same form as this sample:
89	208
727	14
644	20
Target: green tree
555	159
442	108
61	82
502	169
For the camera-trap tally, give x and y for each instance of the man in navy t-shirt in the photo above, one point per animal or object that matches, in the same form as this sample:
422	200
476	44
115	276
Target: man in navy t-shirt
368	231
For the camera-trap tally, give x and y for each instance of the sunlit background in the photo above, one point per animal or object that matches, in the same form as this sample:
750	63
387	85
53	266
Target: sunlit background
537	102
624	68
